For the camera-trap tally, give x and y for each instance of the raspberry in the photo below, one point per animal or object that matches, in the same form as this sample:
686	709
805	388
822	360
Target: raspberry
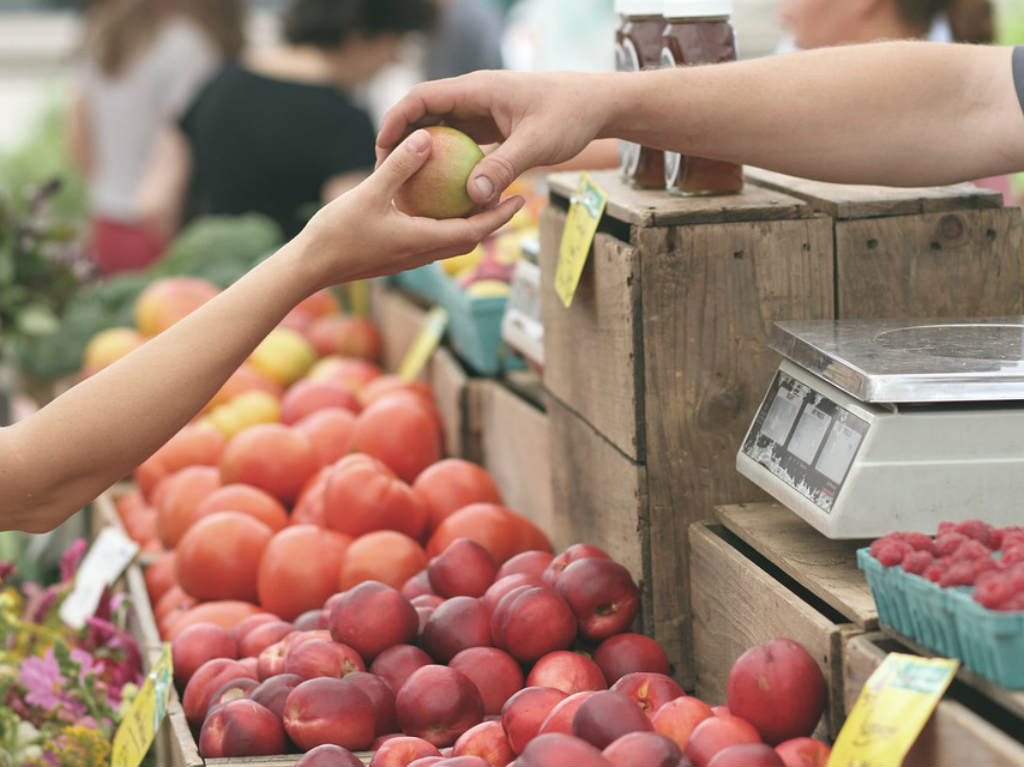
917	561
934	572
892	553
978	530
947	543
984	566
920	542
1015	574
992	592
1012	604
1010	536
946	527
1013	555
960	574
884	541
971	550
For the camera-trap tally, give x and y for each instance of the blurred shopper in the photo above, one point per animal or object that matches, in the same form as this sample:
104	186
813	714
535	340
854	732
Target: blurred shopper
278	132
142	61
467	37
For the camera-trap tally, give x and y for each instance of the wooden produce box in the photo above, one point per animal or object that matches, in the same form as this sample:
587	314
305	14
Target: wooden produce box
657	368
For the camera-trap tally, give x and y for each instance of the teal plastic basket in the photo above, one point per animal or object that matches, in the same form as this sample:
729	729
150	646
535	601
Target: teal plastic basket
427	282
949	622
474	331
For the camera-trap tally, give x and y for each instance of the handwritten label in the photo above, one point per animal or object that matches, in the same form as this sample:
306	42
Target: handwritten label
138	728
426	342
521	327
585	211
892	709
103	564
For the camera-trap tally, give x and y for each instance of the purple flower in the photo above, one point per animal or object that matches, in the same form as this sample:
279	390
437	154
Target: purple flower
71	558
7	570
46	687
119	650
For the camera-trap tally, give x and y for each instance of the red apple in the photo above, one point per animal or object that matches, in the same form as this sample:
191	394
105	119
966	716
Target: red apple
459	623
502	586
602	595
559	750
528	563
567	671
273	692
803	752
531	621
438	704
417	585
261	637
207	679
398	752
309	620
646	748
322	657
329	755
678	718
573	553
486	740
626	653
561	716
428	600
717	733
327	710
197	644
746	755
494	672
525	712
606	716
397	664
381	696
241	728
464	568
372	617
648	690
233	690
238	632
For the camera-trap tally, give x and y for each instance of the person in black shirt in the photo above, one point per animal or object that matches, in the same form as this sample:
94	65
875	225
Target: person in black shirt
278	133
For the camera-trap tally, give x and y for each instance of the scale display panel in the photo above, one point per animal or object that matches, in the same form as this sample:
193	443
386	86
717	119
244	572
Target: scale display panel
805	439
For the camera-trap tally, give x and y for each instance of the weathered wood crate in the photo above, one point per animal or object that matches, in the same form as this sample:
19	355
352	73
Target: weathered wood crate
655	371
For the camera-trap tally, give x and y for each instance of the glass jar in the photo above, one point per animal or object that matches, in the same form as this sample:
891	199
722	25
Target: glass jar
638	44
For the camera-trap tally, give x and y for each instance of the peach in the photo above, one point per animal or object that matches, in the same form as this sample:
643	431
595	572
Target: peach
329	755
464	761
559	750
721	711
494	672
329	431
561	716
355	373
778	688
606	716
525	712
272	457
311	620
567	671
486	740
428	600
261	637
423	613
372	617
108	346
417	585
241	728
648	690
233	690
197	644
438	704
502	586
747	755
527	563
251	666
427	761
464	568
306	397
438	189
273	691
345	336
396	664
531	621
803	752
207	680
383	698
646	748
167	300
325	710
239	632
398	752
602	595
322	657
567	557
715	734
678	718
454	626
623	654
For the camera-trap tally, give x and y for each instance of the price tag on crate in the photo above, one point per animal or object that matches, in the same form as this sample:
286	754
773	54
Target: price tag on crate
145	713
893	708
585	211
521	327
426	342
109	556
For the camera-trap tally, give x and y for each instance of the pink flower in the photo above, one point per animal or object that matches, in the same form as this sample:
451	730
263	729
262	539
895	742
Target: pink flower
47	688
71	558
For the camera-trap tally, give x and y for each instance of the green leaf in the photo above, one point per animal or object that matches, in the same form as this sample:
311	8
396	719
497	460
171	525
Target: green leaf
38	320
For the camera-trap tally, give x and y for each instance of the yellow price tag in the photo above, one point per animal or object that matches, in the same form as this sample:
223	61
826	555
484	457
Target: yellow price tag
426	342
585	211
892	709
138	728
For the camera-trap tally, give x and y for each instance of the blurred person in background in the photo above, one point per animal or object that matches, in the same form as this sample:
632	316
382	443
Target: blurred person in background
467	37
278	132
141	63
821	23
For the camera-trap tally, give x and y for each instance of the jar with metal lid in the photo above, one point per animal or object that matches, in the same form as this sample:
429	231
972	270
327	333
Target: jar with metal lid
638	44
699	32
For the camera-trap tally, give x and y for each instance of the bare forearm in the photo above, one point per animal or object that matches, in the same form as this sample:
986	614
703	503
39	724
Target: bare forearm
902	113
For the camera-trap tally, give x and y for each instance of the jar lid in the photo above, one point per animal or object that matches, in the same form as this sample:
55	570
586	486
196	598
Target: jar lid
697	9
639	7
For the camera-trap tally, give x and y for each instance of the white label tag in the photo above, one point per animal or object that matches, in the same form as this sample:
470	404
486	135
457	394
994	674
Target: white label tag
106	560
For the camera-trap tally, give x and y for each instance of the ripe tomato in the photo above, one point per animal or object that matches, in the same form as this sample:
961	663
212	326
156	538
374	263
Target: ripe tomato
219	556
364	495
299	569
453	484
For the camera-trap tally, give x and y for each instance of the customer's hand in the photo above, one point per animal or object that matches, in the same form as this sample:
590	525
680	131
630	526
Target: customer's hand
362	234
536	119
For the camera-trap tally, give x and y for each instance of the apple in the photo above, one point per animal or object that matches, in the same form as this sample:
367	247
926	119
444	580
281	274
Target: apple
803	752
241	728
464	568
197	644
372	617
623	654
502	586
602	595
646	748
606	716
561	716
262	636
438	704
486	740
568	671
438	188
322	657
396	664
531	621
398	752
233	690
747	755
525	712
207	680
495	673
381	696
567	557
559	750
678	718
329	755
527	563
273	692
715	734
648	690
329	710
310	620
417	585
459	623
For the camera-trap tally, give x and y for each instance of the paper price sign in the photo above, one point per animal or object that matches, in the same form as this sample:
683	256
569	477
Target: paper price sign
426	342
136	731
103	564
585	211
892	709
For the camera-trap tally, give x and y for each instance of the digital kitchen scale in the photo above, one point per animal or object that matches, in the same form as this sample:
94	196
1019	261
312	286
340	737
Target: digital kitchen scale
874	426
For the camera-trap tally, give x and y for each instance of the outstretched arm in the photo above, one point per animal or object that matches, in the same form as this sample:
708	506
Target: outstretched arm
898	113
59	459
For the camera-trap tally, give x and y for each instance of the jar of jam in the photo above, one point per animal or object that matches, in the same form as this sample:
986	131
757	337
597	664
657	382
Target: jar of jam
638	44
699	32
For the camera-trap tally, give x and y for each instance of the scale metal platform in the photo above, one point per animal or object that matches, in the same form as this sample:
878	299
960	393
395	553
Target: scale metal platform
874	426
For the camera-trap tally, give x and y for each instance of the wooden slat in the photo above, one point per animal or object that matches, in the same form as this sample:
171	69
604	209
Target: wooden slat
737	605
592	349
180	744
710	296
287	760
449	382
143	624
848	201
957	264
825	567
398	319
645	207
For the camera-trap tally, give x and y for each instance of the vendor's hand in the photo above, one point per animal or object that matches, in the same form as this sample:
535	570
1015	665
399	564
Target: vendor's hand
362	234
535	119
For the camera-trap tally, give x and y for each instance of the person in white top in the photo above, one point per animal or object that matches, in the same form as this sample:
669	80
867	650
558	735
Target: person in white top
142	63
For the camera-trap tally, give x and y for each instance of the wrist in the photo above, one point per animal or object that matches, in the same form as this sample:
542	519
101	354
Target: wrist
299	271
614	92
